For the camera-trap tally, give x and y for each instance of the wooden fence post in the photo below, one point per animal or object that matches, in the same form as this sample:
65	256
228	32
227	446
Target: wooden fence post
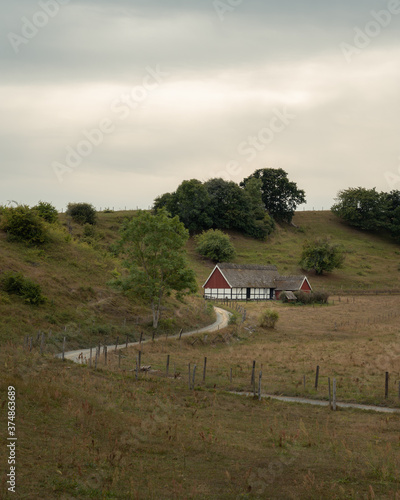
259	385
167	366
316	377
386	385
119	359
253	373
180	333
194	376
329	390
334	395
90	358
204	370
105	355
140	359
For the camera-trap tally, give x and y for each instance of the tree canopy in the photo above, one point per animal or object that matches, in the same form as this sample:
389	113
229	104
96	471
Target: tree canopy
153	247
215	245
369	209
218	204
320	255
280	196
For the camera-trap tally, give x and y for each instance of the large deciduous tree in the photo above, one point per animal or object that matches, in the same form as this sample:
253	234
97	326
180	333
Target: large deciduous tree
153	247
191	202
360	207
280	196
320	255
218	204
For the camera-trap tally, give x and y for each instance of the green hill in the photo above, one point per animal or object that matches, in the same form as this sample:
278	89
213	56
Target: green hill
73	271
103	433
372	260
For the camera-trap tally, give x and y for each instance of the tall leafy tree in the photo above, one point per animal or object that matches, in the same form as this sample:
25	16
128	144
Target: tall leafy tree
320	255
191	203
230	207
362	208
153	246
280	196
392	209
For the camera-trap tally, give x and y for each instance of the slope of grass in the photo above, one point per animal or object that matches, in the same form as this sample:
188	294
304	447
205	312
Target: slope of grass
74	268
96	434
73	272
372	261
85	433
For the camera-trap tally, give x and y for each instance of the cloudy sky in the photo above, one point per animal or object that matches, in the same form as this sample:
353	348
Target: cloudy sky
116	102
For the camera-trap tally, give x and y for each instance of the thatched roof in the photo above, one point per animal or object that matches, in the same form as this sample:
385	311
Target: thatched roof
249	276
289	283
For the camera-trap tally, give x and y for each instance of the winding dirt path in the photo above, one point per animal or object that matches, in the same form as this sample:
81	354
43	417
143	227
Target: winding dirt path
222	321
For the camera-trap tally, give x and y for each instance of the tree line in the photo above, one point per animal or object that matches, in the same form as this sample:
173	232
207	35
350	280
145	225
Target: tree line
370	210
251	207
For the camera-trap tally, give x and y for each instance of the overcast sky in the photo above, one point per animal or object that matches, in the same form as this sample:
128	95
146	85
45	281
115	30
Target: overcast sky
116	102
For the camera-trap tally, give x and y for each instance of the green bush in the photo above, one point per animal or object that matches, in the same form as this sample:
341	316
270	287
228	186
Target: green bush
82	213
268	319
46	211
16	284
22	223
215	245
312	298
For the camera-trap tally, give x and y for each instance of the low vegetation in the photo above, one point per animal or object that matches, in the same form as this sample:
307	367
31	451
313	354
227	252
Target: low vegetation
16	284
268	319
22	223
215	245
82	213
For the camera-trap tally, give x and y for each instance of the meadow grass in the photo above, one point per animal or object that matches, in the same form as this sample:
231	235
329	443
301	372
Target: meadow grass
101	434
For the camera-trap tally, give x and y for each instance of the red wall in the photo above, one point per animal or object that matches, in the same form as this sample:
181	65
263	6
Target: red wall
305	287
216	280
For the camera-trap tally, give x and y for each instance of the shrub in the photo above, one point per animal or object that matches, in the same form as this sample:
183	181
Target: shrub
268	319
17	284
312	298
22	223
215	245
46	211
82	213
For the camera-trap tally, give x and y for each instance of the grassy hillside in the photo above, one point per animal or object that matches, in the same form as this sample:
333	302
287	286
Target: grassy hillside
86	433
372	261
74	268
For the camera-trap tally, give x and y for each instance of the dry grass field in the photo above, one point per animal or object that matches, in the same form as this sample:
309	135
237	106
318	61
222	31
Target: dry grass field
353	339
103	434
